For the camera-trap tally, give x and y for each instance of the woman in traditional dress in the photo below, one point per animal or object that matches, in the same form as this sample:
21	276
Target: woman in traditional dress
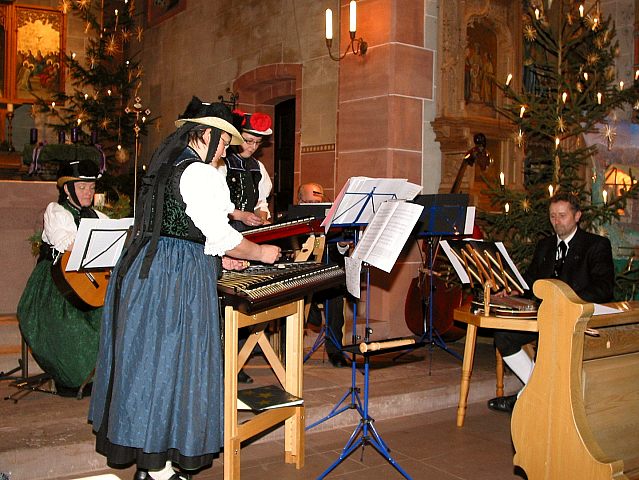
63	338
158	394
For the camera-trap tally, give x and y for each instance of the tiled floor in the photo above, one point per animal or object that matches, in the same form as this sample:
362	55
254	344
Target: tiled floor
426	447
412	401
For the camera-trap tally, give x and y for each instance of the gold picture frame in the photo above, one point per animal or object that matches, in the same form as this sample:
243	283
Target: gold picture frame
38	66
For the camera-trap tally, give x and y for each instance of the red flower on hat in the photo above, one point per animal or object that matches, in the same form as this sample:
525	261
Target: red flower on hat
260	122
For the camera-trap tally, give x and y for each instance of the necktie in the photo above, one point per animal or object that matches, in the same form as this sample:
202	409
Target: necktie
561	256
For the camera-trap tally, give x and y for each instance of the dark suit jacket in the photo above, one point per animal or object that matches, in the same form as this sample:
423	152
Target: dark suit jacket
588	268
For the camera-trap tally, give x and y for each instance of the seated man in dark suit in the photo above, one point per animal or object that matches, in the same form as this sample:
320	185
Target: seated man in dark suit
582	260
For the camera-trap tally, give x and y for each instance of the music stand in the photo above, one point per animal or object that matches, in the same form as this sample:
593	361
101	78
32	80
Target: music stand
443	215
98	244
379	246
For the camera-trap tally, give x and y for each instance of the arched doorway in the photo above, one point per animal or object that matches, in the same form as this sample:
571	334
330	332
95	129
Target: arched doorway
276	90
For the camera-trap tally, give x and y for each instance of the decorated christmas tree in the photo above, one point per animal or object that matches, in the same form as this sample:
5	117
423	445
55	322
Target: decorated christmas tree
569	92
100	106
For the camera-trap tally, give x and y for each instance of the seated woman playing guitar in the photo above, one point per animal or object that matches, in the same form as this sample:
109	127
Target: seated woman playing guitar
63	338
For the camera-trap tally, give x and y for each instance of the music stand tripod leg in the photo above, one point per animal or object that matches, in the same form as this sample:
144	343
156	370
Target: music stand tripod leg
365	433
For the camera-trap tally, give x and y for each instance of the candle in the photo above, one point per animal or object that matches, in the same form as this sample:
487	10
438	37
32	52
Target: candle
353	16
509	78
10	107
564	96
621	85
33	136
502	179
605	196
329	24
599	98
99	199
61	137
581	10
550	190
521	111
507	207
75	134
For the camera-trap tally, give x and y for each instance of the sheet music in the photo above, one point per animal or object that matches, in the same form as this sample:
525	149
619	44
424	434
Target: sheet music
387	233
361	197
98	243
353	268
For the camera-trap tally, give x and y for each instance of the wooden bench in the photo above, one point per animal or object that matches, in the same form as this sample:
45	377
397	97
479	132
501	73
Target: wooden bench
578	417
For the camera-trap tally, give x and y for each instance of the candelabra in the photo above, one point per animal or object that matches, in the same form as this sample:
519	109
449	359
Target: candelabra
140	113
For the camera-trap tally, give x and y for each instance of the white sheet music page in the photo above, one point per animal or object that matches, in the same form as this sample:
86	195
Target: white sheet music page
387	233
361	197
98	243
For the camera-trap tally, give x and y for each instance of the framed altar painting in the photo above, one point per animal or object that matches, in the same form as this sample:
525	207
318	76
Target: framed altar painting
38	67
159	10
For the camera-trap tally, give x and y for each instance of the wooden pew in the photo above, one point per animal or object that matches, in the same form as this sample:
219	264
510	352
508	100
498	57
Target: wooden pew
578	417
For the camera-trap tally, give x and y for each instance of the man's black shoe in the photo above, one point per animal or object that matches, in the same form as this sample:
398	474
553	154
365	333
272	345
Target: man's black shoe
337	360
503	404
244	377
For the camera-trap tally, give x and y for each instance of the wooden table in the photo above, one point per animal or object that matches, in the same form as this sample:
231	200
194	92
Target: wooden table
290	376
474	321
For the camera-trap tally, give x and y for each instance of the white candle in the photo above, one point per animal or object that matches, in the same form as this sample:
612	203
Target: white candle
599	98
521	111
581	10
329	24
605	196
621	85
509	78
502	179
353	16
564	96
507	207
550	190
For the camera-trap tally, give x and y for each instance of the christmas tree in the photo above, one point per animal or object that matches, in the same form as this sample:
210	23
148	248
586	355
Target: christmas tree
568	90
101	107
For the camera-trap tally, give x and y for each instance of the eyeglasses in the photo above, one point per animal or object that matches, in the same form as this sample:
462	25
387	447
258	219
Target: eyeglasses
226	144
257	143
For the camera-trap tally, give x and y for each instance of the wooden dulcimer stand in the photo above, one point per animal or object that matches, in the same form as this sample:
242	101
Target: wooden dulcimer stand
290	376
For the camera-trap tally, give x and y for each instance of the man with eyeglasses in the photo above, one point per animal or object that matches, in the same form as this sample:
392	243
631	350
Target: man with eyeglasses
581	259
247	178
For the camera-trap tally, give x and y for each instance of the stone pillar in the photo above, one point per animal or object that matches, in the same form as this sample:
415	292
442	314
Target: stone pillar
380	119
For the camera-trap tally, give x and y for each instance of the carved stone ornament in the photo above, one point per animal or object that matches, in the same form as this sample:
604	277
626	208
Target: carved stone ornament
480	41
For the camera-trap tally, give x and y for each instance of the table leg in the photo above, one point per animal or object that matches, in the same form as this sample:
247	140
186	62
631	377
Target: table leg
467	370
499	371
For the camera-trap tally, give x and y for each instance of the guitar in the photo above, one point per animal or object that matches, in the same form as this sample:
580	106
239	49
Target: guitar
86	289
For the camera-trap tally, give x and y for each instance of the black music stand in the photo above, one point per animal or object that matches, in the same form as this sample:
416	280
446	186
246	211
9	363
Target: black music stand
443	215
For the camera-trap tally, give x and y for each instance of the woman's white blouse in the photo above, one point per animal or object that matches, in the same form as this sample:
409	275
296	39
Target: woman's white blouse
59	227
208	203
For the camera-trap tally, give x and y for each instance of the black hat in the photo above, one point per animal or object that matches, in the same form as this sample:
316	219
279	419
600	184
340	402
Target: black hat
215	115
78	171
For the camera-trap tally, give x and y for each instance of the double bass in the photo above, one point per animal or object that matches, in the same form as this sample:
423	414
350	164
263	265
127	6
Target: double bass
447	295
